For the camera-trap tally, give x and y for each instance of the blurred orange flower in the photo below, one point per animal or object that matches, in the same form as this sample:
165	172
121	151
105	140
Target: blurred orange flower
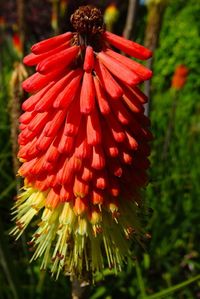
180	77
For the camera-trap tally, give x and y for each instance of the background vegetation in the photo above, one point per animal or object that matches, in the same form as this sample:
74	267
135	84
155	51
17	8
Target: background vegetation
171	261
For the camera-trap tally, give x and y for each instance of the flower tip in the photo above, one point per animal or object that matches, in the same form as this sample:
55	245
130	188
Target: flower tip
97	197
26	59
80	206
40	68
113	207
26	86
34	48
149	75
95	216
89	59
147	54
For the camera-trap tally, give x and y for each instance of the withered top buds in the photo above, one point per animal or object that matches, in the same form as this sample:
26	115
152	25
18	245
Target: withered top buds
88	20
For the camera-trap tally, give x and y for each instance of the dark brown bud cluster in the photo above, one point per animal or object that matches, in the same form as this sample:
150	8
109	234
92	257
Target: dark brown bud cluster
88	20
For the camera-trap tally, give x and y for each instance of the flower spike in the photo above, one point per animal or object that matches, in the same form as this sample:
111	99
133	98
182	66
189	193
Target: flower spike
84	145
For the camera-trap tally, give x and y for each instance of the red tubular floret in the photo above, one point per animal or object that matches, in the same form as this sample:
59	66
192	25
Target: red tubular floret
66	145
73	118
66	97
93	128
132	101
87	97
101	97
119	70
98	159
63	58
54	91
37	81
32	101
26	117
82	148
55	123
107	81
109	143
50	43
138	68
120	111
127	46
115	127
89	59
52	199
139	94
33	59
38	122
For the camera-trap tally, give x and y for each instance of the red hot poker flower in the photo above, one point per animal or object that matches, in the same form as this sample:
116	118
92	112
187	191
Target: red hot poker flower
84	147
180	77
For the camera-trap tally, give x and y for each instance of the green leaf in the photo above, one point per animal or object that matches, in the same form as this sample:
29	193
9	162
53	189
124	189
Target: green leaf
173	289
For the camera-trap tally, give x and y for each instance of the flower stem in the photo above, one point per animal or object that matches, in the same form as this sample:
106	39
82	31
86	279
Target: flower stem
131	18
154	23
79	288
21	23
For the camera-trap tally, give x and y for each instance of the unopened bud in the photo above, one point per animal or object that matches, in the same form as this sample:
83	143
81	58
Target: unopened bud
80	206
95	216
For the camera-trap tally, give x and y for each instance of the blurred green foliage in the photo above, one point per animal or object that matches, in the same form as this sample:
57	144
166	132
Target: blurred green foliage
172	255
174	192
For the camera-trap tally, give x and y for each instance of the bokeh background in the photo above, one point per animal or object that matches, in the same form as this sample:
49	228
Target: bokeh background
170	265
